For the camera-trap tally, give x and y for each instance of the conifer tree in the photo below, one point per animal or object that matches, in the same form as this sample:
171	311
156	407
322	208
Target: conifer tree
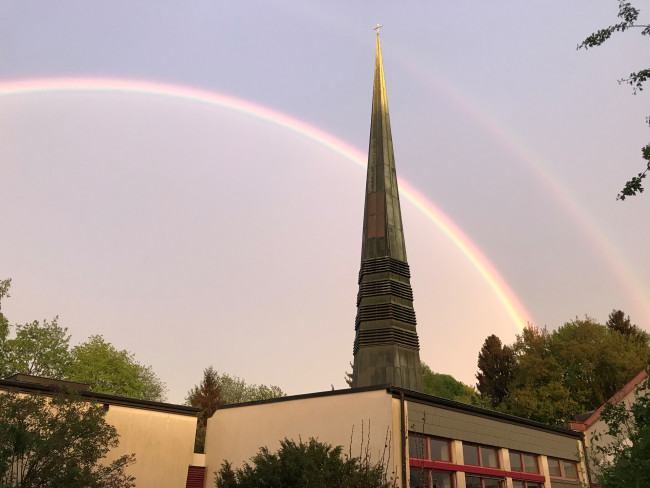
495	364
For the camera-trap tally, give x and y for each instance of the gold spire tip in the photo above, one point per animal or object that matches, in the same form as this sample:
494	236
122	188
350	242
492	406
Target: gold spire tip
379	26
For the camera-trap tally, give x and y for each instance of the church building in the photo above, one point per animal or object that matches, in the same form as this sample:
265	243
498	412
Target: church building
424	441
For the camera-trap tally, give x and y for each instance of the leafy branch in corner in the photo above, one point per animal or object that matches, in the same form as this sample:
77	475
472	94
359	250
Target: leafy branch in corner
628	16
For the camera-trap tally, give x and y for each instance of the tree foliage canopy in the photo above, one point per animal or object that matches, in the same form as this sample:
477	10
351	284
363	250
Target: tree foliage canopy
57	442
557	375
629	16
304	465
495	362
446	386
108	370
42	349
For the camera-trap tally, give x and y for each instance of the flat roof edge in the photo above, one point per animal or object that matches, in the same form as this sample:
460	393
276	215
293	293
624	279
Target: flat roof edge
30	387
303	396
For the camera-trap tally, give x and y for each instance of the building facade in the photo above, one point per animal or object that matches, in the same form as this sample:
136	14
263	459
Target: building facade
161	435
423	441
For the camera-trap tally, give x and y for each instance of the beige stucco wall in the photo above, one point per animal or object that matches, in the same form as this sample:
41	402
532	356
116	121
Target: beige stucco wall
236	434
163	444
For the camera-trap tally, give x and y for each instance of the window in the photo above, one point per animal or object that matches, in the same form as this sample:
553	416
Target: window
515	461
561	468
570	469
520	461
418	447
419	478
470	454
489	457
473	481
525	484
427	478
554	467
440	450
480	456
441	480
530	463
429	448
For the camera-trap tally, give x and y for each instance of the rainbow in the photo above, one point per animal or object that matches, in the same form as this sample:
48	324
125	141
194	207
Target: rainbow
496	282
625	273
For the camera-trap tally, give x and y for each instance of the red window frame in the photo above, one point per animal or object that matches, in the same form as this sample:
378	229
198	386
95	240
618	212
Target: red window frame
451	457
560	464
480	457
478	454
521	460
525	483
564	472
483	478
430	471
428	455
426	447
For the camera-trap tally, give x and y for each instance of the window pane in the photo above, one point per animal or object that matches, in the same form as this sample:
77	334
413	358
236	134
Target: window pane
441	480
417	447
517	484
489	457
439	450
554	467
470	454
530	463
472	482
419	478
570	469
491	483
515	461
532	485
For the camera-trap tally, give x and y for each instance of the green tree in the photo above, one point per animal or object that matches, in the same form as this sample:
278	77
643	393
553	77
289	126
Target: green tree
235	390
446	386
206	396
619	322
570	371
629	17
495	365
39	349
623	458
108	370
4	329
57	442
304	465
536	391
595	361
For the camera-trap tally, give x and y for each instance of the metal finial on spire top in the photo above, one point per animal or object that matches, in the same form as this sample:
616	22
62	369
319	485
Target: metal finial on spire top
379	26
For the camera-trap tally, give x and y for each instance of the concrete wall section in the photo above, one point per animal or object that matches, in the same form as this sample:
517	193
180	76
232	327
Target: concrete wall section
348	419
465	426
163	444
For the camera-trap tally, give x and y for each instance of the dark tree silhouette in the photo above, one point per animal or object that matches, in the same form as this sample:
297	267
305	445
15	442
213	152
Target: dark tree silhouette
495	364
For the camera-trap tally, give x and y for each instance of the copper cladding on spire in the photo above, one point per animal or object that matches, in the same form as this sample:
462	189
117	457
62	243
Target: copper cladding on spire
386	347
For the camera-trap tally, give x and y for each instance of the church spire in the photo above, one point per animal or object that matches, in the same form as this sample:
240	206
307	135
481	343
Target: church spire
386	347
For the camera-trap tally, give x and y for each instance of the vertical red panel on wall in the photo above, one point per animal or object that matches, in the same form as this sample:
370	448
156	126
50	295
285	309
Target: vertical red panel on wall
195	477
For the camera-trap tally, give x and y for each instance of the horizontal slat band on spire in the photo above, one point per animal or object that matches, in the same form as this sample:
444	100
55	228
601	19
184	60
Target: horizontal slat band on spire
384	265
385	311
382	337
384	287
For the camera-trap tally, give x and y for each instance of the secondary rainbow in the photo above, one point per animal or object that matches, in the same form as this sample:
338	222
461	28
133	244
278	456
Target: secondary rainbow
47	85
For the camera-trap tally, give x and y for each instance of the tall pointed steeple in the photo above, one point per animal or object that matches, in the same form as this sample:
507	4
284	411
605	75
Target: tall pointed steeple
386	346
